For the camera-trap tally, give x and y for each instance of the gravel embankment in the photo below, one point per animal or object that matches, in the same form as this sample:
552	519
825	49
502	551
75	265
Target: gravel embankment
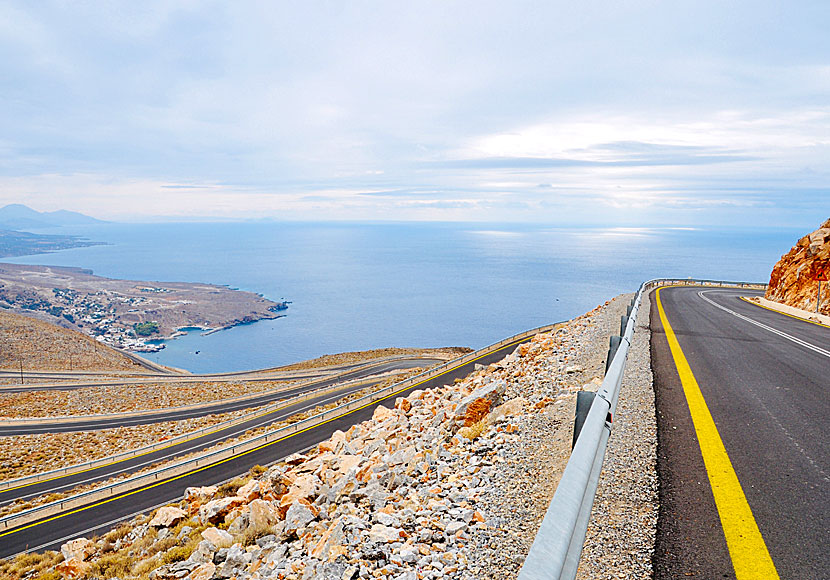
621	535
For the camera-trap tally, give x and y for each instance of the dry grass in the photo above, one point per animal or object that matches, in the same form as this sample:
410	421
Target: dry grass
44	346
127	398
229	488
39	565
473	431
28	454
367	355
137	560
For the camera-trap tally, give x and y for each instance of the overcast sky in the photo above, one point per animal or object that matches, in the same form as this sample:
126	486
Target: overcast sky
616	112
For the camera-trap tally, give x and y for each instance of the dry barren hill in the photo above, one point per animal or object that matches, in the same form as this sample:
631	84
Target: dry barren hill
794	278
44	346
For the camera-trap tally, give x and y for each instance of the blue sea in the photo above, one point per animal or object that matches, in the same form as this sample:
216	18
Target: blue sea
356	286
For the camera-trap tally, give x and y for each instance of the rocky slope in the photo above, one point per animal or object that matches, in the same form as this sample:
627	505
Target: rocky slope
44	346
793	279
447	483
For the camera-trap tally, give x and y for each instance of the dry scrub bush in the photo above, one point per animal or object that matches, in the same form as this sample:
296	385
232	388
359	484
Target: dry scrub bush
116	565
31	565
230	488
473	431
252	534
176	554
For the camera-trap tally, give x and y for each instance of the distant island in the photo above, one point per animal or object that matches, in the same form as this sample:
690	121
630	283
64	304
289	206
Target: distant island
127	313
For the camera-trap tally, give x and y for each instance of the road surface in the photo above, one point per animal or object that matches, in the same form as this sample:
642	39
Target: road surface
744	493
223	406
51	532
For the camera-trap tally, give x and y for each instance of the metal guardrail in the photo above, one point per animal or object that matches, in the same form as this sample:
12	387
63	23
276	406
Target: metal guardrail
328	374
557	547
184	437
228	451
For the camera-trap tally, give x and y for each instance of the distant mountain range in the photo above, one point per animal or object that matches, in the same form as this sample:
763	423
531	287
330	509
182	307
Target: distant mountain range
17	216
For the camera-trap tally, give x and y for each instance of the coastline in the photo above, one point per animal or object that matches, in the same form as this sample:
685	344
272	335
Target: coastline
133	315
157	344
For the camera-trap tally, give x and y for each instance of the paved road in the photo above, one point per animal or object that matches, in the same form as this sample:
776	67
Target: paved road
224	406
72	380
49	534
764	377
198	443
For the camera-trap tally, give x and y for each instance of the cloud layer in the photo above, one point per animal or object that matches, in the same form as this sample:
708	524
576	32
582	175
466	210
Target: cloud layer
635	112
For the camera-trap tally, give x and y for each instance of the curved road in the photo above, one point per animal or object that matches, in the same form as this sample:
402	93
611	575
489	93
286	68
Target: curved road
86	379
178	414
50	533
66	483
764	377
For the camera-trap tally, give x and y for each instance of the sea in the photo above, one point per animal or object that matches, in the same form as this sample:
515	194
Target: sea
357	286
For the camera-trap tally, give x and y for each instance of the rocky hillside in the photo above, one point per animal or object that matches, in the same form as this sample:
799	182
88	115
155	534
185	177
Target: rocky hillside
44	346
793	279
449	483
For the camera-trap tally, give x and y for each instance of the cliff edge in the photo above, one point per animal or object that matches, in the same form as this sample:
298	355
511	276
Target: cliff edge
794	278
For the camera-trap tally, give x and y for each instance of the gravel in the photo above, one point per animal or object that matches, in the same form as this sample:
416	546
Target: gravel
621	534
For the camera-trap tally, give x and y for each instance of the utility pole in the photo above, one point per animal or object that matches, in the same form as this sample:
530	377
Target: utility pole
20	360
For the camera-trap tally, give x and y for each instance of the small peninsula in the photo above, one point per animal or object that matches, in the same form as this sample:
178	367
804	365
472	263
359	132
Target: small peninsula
127	313
14	243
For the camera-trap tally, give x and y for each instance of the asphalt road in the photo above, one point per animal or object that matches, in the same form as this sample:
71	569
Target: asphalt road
73	380
197	443
766	388
222	406
98	518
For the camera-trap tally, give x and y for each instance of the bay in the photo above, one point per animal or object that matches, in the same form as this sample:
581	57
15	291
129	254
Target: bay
356	286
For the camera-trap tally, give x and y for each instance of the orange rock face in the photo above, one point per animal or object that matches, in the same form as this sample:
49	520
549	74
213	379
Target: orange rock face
794	278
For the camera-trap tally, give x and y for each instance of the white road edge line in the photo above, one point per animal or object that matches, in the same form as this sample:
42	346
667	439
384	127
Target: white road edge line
798	341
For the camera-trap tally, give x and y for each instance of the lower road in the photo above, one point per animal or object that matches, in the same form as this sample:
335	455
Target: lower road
101	516
223	406
742	404
65	483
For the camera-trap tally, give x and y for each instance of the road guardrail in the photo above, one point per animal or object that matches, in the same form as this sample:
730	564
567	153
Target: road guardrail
22	422
557	547
269	437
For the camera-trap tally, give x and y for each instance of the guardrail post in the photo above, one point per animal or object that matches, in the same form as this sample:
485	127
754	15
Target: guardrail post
614	344
584	399
624	323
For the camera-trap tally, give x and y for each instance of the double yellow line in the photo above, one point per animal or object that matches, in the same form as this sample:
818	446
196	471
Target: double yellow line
747	549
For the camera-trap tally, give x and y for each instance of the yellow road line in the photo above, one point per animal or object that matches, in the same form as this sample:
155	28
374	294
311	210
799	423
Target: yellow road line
264	445
750	557
745	299
241	419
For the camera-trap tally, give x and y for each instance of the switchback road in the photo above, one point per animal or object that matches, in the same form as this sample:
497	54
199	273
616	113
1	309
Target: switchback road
128	465
98	517
223	406
742	438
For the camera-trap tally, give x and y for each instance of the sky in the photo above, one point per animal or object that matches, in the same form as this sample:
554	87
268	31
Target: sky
626	112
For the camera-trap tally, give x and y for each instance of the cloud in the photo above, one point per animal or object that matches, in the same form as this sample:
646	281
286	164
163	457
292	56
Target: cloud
297	110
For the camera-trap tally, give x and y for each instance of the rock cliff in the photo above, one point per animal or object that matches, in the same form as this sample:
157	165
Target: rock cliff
793	279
